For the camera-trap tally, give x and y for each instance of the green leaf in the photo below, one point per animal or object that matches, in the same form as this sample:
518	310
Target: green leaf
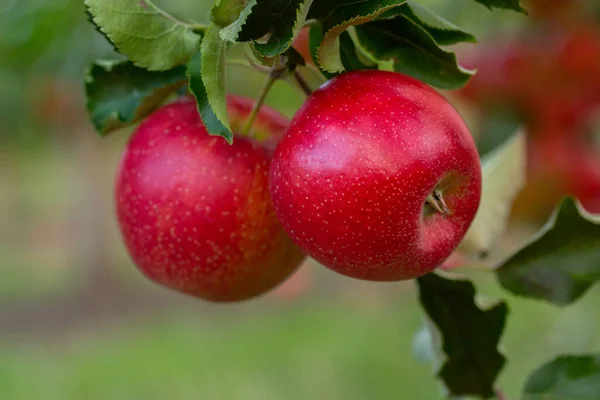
246	20
281	20
120	94
413	50
561	262
315	37
503	176
350	54
469	335
443	32
514	5
350	57
225	12
90	19
144	33
286	28
328	54
565	378
206	71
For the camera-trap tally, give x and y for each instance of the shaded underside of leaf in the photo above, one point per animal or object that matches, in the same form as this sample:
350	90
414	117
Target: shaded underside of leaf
349	55
563	260
443	32
469	335
276	18
119	93
414	52
342	18
574	377
514	5
145	34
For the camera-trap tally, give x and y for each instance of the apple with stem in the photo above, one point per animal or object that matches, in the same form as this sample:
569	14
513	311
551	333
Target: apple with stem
195	212
377	178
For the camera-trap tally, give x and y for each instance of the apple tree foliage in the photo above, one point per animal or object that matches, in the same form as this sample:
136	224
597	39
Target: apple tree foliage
162	54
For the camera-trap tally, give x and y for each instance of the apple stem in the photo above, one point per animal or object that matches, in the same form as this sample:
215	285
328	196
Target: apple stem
302	83
276	72
436	200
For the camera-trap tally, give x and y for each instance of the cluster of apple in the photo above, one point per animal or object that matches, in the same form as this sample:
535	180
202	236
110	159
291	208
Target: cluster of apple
376	177
550	77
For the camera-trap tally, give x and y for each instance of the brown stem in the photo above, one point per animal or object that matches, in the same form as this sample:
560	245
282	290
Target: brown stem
436	200
302	83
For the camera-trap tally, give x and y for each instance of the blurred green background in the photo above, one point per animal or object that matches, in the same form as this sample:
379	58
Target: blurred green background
77	321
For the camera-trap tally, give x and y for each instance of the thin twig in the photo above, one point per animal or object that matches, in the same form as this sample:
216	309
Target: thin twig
276	73
302	83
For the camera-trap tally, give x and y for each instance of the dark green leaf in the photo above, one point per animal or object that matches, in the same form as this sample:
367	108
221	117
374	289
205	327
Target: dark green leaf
565	378
514	5
206	71
413	50
351	59
442	31
248	26
293	59
280	19
357	13
287	27
561	262
119	93
469	335
148	36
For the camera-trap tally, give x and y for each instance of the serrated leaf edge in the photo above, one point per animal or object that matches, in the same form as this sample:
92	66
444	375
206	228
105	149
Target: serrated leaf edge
231	32
460	68
472	38
331	40
301	14
551	224
98	22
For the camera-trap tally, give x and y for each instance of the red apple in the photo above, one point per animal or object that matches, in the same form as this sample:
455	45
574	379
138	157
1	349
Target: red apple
195	212
377	177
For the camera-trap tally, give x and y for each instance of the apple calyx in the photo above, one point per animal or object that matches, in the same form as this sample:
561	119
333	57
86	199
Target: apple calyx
436	201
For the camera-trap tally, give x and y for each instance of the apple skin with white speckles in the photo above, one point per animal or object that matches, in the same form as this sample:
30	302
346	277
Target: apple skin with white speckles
195	212
350	179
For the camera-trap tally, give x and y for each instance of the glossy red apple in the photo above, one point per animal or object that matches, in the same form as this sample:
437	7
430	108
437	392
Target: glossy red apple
195	212
377	177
